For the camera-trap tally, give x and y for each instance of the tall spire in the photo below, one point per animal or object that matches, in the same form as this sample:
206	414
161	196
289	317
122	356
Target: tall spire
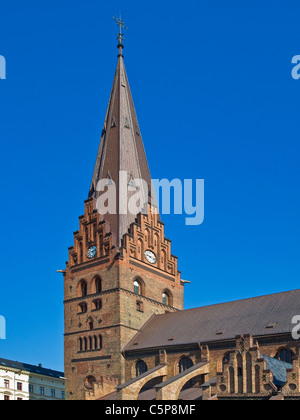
121	146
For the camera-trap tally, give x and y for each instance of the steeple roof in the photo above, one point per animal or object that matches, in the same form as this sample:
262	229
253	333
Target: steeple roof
121	148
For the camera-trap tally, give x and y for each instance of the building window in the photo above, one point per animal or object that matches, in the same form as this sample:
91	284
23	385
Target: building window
95	342
231	380
90	324
31	389
97	305
225	361
52	392
6	384
97	285
139	306
137	288
257	379
42	390
185	363
100	342
249	373
90	343
82	289
62	395
140	368
82	308
167	298
285	355
89	382
240	373
19	386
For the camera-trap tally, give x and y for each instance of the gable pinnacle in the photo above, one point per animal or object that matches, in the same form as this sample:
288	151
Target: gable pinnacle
120	38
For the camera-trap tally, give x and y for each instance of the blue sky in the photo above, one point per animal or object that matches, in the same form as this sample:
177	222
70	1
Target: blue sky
212	85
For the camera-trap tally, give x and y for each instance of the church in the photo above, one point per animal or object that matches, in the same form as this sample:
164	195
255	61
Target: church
127	335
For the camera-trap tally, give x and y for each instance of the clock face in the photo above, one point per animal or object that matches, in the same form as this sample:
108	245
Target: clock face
150	257
92	252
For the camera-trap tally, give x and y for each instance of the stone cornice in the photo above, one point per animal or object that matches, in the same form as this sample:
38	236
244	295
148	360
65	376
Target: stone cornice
92	332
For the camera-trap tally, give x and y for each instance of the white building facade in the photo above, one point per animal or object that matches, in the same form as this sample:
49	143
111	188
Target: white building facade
20	381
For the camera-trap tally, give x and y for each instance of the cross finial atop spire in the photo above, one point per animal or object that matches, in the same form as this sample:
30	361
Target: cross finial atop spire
121	25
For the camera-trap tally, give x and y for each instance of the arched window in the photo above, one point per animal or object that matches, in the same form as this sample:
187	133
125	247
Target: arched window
80	344
95	342
184	364
90	323
240	373
139	287
285	355
140	368
167	298
85	344
89	382
82	308
257	379
139	306
91	343
249	372
97	305
225	360
100	342
97	285
82	288
231	380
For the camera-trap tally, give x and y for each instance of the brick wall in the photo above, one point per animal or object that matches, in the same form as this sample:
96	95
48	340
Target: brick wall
122	312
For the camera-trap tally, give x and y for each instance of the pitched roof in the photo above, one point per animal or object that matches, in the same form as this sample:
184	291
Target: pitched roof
39	370
260	316
121	149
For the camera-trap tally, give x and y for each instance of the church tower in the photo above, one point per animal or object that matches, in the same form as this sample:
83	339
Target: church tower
120	270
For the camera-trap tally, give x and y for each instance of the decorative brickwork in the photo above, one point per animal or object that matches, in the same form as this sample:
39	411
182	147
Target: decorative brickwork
102	310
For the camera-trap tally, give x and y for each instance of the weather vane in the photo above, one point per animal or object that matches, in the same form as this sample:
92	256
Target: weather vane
121	25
